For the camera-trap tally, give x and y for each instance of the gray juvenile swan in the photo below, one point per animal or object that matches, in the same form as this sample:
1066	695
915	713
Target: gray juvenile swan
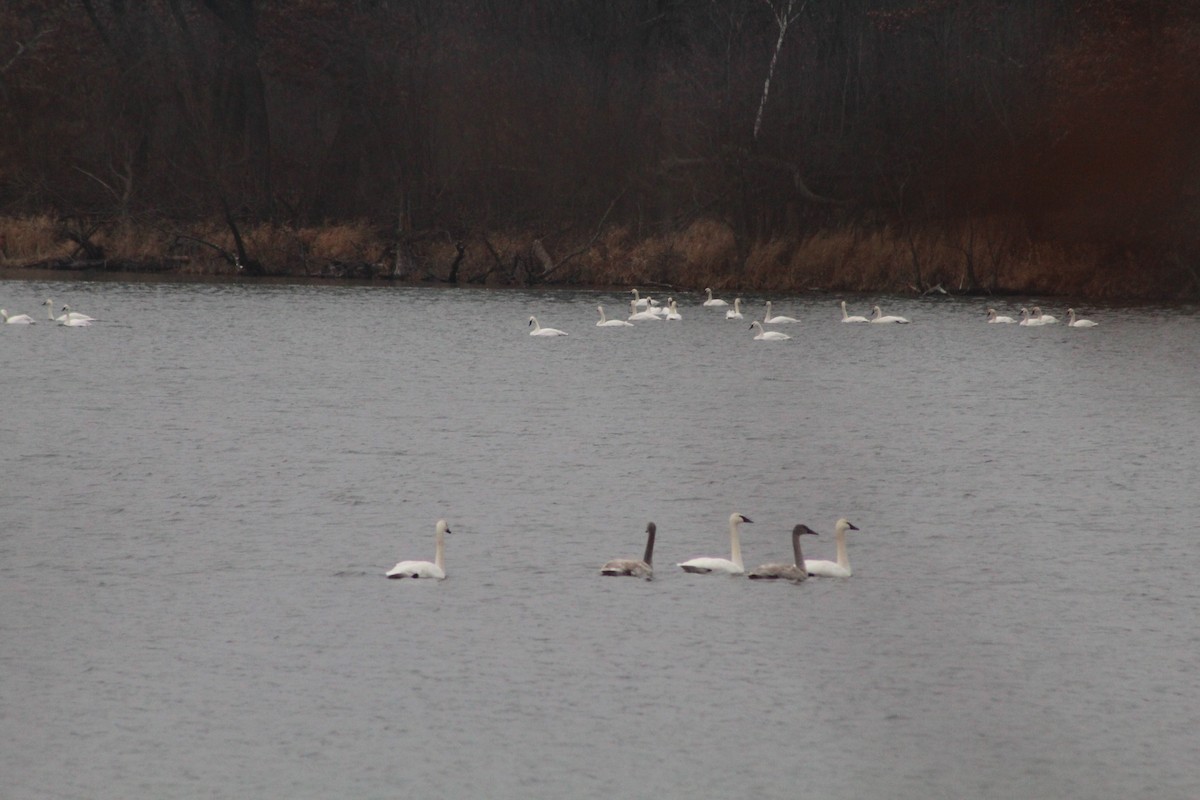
633	567
841	567
425	569
732	565
795	571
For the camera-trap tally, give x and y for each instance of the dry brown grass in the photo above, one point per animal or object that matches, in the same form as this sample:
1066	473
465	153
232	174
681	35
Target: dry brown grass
846	259
36	238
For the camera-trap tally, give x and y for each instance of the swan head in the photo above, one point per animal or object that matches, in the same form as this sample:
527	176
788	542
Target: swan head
533	320
651	528
800	530
876	311
844	524
442	527
737	519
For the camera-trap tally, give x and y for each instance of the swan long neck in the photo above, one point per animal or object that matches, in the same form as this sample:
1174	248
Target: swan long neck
799	556
735	544
843	558
439	553
648	556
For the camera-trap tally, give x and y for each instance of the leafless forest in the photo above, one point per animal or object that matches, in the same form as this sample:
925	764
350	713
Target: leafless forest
976	145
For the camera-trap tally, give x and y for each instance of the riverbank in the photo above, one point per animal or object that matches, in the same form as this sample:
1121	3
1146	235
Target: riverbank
980	259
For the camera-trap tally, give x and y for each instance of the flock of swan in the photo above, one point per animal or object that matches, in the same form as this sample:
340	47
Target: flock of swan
67	319
799	569
647	309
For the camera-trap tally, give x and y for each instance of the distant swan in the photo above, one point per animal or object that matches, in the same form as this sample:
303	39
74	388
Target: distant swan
733	564
768	336
642	302
1028	321
71	322
632	567
425	569
538	330
847	318
877	316
841	567
1043	319
795	571
779	320
641	316
19	319
672	312
736	311
69	314
1078	323
994	318
713	303
611	323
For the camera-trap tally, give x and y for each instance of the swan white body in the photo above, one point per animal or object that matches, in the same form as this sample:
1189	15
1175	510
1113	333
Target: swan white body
611	323
633	567
767	336
795	571
673	312
994	318
736	311
1044	319
538	330
1078	323
70	322
18	319
641	316
777	320
841	567
847	318
712	302
732	565
878	316
69	314
1029	321
435	569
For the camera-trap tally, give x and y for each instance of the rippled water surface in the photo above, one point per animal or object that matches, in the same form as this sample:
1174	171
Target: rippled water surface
201	494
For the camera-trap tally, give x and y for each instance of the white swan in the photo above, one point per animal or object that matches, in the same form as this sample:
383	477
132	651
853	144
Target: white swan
779	320
795	571
633	567
19	319
736	311
641	316
767	336
70	322
672	311
69	314
733	564
642	302
1043	319
1078	323
611	323
847	318
841	567
1028	321
877	316
993	318
538	330
713	303
425	569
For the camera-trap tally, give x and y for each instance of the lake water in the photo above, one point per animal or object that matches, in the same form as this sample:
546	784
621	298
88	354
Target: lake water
201	494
